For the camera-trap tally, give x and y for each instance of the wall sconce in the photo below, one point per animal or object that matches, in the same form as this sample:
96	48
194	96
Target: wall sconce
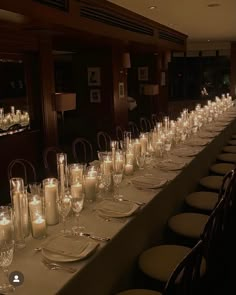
65	102
151	89
126	64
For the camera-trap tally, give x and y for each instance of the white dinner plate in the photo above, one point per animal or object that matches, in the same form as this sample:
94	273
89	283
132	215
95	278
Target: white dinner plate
64	249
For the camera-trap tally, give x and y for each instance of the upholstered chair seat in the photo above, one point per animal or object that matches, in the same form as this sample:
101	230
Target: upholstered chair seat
188	225
222	168
230	149
202	200
234	136
139	292
212	182
232	142
227	157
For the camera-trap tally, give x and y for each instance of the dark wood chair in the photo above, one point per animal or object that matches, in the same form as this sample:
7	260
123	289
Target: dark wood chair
103	141
22	168
119	133
133	128
82	150
50	160
145	124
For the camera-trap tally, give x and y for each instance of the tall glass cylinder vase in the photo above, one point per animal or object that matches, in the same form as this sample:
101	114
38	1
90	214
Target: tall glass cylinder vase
50	191
62	173
20	210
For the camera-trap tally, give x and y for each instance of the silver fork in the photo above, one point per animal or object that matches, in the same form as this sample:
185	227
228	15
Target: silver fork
55	266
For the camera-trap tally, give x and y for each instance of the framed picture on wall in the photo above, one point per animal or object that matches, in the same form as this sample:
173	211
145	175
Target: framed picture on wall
121	90
94	77
143	73
95	95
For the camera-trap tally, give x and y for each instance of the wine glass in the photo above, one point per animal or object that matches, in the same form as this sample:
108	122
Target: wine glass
6	246
117	176
77	206
106	181
140	160
64	207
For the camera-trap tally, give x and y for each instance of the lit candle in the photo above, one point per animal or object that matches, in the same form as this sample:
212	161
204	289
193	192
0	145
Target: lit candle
137	148
35	205
51	193
130	158
144	142
119	163
76	173
129	169
107	166
90	188
39	227
5	229
76	190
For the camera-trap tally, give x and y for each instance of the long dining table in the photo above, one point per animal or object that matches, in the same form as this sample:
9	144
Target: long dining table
112	266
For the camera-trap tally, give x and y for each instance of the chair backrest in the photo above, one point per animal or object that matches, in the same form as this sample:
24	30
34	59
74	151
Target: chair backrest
82	150
133	128
50	160
154	119
22	168
145	124
213	245
119	133
103	141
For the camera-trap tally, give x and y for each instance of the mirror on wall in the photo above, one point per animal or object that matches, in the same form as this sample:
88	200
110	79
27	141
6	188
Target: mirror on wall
14	109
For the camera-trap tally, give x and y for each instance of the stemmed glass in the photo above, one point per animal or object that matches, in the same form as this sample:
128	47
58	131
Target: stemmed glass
117	177
6	246
64	207
77	206
140	160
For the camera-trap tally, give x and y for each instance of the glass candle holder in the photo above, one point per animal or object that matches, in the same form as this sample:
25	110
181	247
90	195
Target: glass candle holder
76	172
90	187
6	224
20	210
62	172
144	142
37	217
50	192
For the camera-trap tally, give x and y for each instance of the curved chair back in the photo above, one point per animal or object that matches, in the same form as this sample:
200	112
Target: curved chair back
103	141
27	170
145	124
213	246
50	160
119	133
154	119
82	150
133	128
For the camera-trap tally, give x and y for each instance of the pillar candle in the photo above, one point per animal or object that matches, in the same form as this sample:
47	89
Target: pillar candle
38	227
137	148
144	142
5	229
35	206
129	169
51	193
107	166
76	190
76	174
90	188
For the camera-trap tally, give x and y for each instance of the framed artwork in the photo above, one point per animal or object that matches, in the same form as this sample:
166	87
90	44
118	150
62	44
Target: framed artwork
121	90
143	73
163	78
94	77
95	95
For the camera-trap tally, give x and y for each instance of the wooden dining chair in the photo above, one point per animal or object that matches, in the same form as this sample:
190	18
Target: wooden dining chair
103	141
154	119
133	128
22	168
145	124
50	161
82	150
119	133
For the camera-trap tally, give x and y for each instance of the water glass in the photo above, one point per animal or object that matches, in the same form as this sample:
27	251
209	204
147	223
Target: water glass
64	207
77	206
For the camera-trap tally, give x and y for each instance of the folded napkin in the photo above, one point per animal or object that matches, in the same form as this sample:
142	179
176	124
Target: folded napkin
172	166
186	152
116	209
197	142
66	247
148	182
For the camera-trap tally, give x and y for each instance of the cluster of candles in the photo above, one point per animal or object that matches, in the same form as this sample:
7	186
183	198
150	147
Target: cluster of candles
13	117
40	209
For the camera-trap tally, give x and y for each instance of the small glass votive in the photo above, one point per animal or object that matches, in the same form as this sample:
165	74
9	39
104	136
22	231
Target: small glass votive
50	192
6	224
37	217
